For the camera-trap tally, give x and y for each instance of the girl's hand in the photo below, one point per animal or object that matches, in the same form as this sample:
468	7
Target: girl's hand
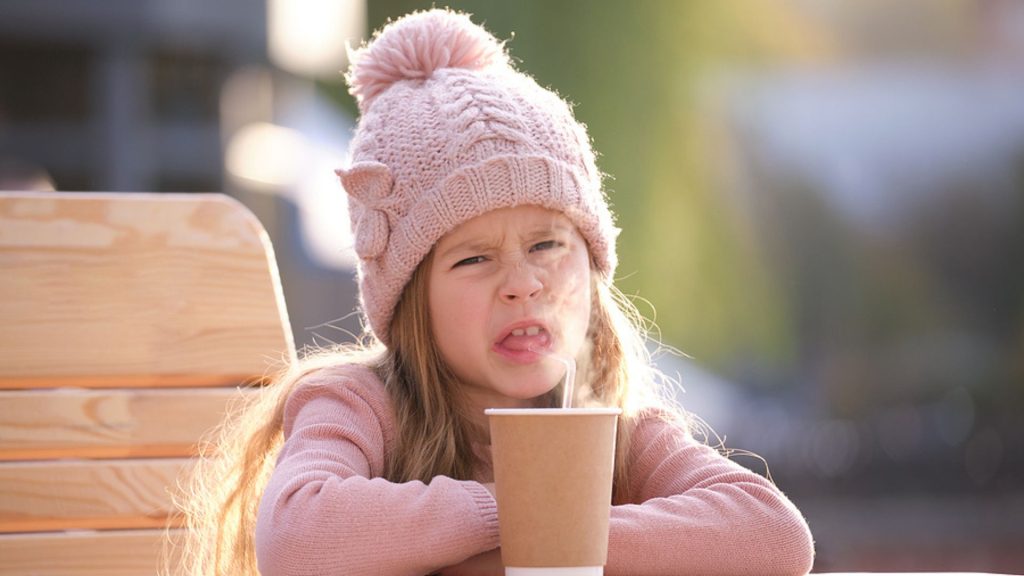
486	564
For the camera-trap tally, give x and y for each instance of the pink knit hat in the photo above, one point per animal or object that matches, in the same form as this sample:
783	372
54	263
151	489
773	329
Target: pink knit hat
449	131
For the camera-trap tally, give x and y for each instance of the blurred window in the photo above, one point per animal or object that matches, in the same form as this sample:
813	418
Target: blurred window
185	85
45	82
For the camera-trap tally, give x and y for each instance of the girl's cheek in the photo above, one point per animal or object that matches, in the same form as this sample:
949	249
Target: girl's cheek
569	283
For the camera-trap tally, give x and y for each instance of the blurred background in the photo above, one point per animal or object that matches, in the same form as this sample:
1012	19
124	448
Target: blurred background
822	204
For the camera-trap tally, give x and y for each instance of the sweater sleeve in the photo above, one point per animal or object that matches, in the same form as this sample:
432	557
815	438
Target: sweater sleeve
696	512
326	510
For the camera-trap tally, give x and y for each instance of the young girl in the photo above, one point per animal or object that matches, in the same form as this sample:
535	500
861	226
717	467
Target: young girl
486	247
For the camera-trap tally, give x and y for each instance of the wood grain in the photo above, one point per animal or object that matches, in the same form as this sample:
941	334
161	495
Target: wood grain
47	424
127	324
108	553
115	284
102	494
129	381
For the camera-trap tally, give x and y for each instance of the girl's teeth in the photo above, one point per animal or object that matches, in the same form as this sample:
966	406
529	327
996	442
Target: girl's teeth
531	331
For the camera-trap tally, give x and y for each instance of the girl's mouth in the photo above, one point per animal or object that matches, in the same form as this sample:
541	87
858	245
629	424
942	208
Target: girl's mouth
524	344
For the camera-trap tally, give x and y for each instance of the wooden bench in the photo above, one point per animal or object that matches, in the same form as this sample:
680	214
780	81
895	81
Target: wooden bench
127	322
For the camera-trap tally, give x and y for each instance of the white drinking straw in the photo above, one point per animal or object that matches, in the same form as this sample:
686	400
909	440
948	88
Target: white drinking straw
570	380
570	375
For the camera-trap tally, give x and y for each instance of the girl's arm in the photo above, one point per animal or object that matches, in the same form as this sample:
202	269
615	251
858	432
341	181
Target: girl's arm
486	564
327	511
700	513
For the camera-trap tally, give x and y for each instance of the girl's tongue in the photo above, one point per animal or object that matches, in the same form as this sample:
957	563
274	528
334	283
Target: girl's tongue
531	339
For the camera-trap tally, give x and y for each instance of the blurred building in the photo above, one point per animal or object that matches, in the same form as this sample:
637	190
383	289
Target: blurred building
122	95
183	96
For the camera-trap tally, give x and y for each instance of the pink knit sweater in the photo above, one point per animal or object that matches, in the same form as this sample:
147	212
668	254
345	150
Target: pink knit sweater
327	511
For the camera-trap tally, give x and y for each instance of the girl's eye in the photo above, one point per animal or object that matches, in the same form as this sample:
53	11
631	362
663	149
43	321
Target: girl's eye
546	245
469	261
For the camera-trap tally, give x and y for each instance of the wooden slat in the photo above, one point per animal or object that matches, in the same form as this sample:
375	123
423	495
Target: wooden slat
47	424
113	553
101	494
130	381
101	285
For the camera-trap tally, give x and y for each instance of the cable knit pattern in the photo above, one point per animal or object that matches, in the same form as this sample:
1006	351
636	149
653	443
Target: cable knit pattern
327	511
449	131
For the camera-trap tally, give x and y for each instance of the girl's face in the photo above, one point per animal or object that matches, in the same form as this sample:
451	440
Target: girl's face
506	290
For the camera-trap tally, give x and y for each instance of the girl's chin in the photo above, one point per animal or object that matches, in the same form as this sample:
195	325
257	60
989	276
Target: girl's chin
519	385
526	389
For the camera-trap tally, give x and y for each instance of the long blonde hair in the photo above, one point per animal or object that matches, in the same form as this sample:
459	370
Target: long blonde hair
434	434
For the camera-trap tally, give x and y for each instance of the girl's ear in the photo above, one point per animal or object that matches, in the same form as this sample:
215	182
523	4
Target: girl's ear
369	184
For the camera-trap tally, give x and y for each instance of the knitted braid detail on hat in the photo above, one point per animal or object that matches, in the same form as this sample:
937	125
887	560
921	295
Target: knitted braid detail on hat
449	131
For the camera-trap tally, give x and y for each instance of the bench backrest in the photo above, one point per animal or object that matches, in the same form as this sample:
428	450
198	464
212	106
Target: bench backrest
127	322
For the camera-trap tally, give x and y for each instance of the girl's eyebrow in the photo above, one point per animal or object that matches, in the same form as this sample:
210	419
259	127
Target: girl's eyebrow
483	244
475	244
543	230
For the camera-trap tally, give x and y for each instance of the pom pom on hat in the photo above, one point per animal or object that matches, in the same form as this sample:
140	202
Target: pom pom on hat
413	47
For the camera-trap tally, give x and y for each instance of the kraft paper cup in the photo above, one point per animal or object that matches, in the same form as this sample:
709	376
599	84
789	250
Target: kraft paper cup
553	477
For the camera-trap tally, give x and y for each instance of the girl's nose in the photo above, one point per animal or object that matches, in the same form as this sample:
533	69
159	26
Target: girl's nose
521	283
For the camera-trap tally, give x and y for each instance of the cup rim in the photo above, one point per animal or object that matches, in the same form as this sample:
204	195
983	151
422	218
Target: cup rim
552	411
